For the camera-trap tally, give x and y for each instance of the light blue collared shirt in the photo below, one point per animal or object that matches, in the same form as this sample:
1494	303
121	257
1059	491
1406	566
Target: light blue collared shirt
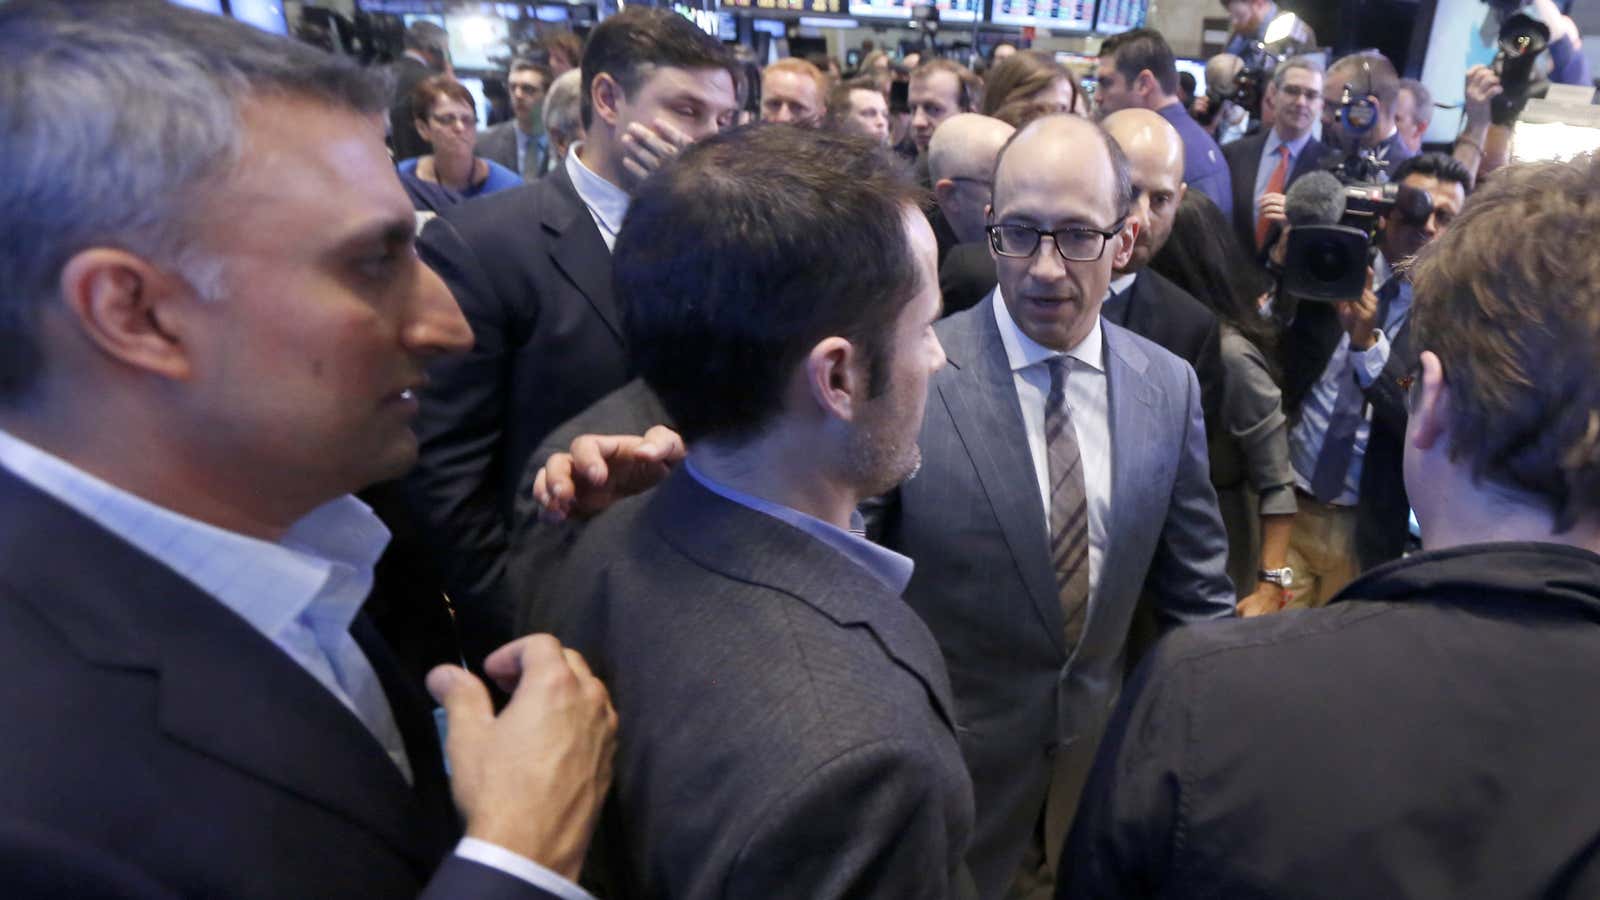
301	593
889	567
608	204
1269	159
1316	411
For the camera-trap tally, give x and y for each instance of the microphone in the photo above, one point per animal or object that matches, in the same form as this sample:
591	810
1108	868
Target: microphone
1316	199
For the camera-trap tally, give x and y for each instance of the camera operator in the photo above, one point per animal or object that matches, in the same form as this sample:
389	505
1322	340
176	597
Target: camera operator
1345	436
1358	117
1482	146
1217	110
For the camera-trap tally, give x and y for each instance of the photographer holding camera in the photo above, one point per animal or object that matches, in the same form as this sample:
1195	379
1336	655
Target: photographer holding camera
1347	421
1358	117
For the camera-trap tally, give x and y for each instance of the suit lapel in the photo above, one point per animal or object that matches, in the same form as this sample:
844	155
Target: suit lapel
1130	403
753	547
1244	188
980	395
224	690
577	248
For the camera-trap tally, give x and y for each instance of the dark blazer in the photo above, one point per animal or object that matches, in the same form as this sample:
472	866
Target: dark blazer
789	725
1431	733
1155	308
154	730
404	140
499	143
538	548
1244	162
533	277
966	276
1383	516
973	522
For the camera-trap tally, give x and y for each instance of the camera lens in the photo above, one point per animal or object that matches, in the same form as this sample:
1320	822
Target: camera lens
1328	261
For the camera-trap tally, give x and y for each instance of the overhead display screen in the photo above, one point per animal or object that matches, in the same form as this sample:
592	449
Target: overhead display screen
949	10
805	7
1057	15
1117	16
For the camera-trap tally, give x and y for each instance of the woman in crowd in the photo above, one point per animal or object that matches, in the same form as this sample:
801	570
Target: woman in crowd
448	121
1250	451
1031	79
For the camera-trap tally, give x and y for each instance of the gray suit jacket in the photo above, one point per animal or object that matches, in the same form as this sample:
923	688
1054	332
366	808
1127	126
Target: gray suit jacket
1032	710
499	143
788	729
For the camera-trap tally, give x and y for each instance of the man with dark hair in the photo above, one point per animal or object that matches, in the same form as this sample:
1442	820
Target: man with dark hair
521	144
1264	166
939	89
205	347
1345	430
427	52
531	269
1137	70
1361	92
790	726
1432	733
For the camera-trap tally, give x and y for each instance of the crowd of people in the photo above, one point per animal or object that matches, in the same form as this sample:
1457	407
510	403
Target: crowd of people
947	503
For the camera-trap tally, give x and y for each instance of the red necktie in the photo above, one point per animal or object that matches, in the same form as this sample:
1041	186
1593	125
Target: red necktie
1275	185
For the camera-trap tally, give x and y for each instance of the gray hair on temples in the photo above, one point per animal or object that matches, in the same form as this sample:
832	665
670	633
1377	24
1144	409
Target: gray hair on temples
115	117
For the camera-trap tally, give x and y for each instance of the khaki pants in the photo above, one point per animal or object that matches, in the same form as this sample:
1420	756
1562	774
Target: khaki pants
1322	552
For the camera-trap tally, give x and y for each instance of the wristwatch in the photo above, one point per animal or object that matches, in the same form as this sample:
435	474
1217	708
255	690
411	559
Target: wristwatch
1281	577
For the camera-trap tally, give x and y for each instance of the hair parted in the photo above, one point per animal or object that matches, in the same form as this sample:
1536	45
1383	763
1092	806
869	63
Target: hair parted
1020	76
748	249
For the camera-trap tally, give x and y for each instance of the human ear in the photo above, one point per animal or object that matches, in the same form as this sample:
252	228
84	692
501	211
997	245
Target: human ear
124	306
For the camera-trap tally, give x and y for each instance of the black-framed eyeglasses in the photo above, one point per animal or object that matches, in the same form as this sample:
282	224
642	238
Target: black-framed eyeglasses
984	182
451	120
1075	243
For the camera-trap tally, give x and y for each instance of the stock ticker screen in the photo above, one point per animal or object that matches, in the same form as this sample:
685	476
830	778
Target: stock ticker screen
1057	15
1117	16
808	7
949	10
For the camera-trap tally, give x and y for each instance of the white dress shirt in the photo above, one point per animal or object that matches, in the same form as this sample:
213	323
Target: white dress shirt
608	204
301	593
1087	401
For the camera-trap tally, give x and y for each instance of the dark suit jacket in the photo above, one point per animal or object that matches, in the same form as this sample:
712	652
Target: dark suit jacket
1244	162
539	548
789	730
533	277
966	276
1383	515
1155	308
404	140
1431	733
153	730
974	523
499	143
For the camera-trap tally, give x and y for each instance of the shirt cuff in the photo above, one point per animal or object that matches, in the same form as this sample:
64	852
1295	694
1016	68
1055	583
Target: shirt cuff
497	857
1368	364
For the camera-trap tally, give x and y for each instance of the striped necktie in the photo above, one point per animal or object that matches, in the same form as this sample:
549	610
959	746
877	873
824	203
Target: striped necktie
1069	508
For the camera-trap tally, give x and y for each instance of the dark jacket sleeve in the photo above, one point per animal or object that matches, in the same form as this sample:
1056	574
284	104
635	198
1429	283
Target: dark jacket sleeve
459	878
460	429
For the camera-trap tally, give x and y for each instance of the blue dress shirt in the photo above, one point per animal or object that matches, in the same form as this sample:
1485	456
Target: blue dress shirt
1204	168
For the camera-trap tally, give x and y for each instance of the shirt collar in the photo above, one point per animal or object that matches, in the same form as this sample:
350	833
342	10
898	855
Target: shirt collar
1295	146
889	567
1023	351
607	201
1121	283
323	566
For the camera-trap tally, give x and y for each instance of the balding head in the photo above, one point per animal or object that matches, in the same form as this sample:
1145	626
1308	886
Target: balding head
1061	174
961	163
1155	163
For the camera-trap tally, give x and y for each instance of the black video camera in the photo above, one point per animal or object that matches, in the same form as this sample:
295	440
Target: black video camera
1522	39
1328	263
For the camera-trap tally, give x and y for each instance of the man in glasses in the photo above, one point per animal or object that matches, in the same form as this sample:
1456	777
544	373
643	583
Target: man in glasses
1063	461
521	143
